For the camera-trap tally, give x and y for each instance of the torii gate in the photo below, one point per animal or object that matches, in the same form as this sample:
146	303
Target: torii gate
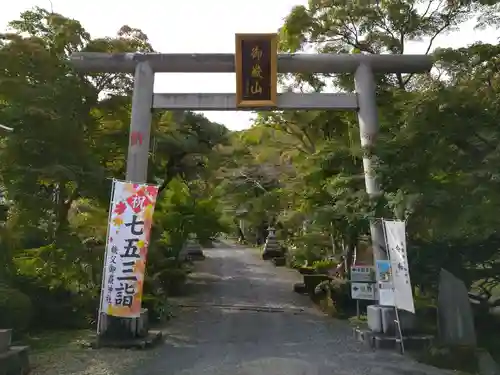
144	100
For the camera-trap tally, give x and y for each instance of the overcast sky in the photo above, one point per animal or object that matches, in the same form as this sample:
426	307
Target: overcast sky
197	26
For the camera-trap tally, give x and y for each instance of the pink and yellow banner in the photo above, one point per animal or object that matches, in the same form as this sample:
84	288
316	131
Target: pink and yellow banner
130	220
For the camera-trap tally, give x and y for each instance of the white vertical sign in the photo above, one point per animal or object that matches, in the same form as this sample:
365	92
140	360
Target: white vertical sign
395	237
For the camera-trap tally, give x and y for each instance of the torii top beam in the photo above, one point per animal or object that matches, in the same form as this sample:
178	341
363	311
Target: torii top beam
97	62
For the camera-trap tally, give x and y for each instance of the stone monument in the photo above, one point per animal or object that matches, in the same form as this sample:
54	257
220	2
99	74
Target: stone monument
455	318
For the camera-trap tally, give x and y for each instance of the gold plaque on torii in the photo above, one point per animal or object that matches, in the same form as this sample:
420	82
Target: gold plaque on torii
256	70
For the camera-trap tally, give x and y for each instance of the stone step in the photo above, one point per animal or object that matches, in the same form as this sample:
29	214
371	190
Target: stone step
5	339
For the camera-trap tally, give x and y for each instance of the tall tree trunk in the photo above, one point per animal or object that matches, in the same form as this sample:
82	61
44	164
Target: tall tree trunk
241	235
63	207
172	170
351	252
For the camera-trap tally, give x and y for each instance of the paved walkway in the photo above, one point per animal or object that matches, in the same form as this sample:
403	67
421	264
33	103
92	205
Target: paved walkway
246	320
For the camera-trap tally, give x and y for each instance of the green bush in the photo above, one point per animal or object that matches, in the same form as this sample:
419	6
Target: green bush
462	358
54	306
334	296
322	289
426	313
324	265
15	309
340	293
291	261
311	281
159	310
172	280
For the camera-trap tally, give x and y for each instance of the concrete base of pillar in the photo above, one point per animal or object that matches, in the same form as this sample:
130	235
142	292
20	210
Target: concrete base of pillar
5	339
381	319
119	328
150	340
382	332
14	360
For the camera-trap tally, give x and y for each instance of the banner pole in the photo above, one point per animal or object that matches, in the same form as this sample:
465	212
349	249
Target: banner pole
103	280
397	321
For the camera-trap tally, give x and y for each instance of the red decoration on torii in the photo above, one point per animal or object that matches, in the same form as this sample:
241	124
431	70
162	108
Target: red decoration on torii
136	138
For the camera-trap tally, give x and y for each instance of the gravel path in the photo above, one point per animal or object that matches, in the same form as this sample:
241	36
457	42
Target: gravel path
244	319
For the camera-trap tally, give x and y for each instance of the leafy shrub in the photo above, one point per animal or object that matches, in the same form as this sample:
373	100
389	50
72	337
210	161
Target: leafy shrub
311	281
312	246
321	290
426	313
181	213
165	249
340	294
57	307
4	209
15	309
324	265
172	280
304	255
292	262
334	297
461	358
159	310
154	298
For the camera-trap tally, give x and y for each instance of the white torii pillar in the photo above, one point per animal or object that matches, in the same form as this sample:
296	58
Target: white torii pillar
364	83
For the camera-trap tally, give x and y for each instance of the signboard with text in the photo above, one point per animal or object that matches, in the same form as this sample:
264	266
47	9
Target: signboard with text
256	70
360	273
363	282
364	291
385	283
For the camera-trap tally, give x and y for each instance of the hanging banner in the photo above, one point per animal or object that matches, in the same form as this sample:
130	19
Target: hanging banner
385	284
130	220
395	237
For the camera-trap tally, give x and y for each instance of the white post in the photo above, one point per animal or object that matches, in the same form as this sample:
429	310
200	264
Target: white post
104	262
